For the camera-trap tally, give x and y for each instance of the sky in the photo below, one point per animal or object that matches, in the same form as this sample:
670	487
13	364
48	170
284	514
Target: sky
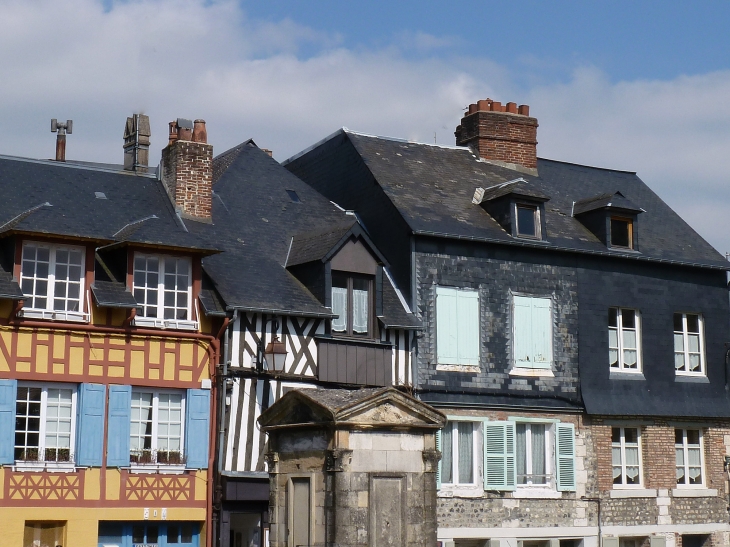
640	86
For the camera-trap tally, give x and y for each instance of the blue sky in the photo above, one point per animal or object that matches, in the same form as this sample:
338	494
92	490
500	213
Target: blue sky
639	86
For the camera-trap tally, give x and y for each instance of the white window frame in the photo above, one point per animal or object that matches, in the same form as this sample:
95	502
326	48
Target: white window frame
685	449
30	465
685	335
154	465
48	312
621	445
550	471
159	321
620	340
477	457
536	215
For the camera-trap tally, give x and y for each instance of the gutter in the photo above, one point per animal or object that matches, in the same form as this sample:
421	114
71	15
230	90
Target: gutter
548	246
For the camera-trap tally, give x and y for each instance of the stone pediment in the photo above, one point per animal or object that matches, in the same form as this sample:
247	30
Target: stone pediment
366	408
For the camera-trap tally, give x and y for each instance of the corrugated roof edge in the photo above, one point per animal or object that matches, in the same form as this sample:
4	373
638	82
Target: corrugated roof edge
548	245
72	165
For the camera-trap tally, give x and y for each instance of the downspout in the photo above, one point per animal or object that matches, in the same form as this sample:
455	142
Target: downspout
220	456
212	435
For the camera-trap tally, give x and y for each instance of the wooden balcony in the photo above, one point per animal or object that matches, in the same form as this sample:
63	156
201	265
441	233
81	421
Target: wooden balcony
355	362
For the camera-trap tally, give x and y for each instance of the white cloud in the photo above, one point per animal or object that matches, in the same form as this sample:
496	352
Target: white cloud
198	59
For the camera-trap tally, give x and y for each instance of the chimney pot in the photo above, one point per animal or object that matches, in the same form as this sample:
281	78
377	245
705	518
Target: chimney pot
483	105
496	106
199	132
137	143
472	108
511	108
524	110
184	129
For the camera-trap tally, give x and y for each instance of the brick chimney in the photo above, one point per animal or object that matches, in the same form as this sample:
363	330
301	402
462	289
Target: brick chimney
137	143
187	169
500	133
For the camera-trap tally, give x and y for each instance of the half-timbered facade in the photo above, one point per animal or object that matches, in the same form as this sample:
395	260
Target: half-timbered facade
106	359
574	332
300	277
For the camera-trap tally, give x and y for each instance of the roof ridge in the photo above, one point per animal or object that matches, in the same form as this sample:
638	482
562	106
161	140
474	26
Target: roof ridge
71	165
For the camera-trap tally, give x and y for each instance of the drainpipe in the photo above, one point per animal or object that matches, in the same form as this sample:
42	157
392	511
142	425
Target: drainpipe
221	430
211	521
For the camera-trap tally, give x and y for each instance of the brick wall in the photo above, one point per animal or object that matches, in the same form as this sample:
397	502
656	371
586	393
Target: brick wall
187	173
501	136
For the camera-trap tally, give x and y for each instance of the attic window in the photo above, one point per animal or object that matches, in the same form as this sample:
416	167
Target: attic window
293	196
528	221
622	232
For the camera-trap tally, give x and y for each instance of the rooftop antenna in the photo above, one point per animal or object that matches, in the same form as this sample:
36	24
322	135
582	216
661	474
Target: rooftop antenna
62	129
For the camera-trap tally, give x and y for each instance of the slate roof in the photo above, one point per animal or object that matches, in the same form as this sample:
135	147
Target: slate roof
432	188
48	197
605	201
255	222
112	294
516	187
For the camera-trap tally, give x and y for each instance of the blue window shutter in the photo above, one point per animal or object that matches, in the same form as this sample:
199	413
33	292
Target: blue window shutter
499	456
446	326
197	428
8	393
542	346
90	430
565	456
467	307
523	345
438	469
119	424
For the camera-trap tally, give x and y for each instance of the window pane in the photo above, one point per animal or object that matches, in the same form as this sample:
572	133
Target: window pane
613	317
360	310
447	465
629	339
152	534
615	434
628	319
693	323
339	307
138	533
466	452
693	437
521	447
620	233
693	341
186	534
526	221
631	435
538	453
678	323
172	533
679	342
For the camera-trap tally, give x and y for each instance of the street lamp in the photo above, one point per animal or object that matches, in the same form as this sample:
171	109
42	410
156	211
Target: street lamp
275	355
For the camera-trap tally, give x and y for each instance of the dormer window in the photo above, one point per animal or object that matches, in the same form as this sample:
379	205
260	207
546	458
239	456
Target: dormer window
622	232
162	287
528	221
612	218
517	205
52	280
352	302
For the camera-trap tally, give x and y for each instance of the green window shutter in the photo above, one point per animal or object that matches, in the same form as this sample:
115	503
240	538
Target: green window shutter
446	326
499	456
565	456
438	469
467	307
542	346
523	345
657	541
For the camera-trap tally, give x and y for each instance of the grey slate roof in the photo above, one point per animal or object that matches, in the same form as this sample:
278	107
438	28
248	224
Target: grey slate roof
112	294
48	197
517	187
254	222
605	201
432	188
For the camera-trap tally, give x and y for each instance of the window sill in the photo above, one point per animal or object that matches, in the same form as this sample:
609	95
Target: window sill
157	468
619	493
173	324
458	368
697	492
531	372
692	378
622	375
527	492
475	491
51	315
39	467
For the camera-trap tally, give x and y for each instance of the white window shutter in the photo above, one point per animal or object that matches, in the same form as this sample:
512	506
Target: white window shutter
467	306
610	542
446	326
657	541
542	346
499	456
565	456
523	345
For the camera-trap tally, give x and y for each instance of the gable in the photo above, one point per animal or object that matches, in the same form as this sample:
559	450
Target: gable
354	257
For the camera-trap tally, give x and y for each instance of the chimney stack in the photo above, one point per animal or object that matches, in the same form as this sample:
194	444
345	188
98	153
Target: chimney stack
500	133
62	129
137	143
187	169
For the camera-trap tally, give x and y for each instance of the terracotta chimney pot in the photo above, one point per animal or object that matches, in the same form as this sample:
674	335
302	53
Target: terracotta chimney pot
199	132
